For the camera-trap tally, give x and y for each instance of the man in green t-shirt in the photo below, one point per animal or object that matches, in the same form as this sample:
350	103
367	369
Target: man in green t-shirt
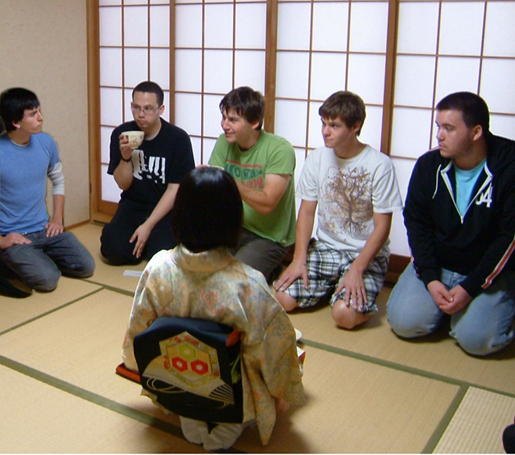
262	165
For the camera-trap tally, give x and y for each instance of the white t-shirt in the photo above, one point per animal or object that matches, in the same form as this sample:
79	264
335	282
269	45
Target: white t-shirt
348	192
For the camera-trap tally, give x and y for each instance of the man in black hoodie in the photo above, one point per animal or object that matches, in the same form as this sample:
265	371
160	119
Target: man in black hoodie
460	220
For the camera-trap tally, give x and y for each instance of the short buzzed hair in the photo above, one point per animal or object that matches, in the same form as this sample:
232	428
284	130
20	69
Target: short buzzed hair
473	108
150	87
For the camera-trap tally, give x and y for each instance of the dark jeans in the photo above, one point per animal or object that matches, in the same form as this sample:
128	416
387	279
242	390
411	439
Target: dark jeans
115	246
39	264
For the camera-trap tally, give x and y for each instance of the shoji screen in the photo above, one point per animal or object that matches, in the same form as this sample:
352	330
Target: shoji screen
445	47
323	47
134	47
219	45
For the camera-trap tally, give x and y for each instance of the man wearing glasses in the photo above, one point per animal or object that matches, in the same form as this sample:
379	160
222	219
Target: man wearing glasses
149	177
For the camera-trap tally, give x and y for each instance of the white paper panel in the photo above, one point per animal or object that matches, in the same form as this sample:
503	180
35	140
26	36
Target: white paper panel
500	29
136	66
110	26
188	26
300	159
315	125
294	26
166	102
212	115
160	67
135	2
105	139
110	106
328	74
251	26
188	112
398	238
366	77
110	190
109	2
372	128
368	26
290	121
250	69
330	26
188	70
503	125
292	74
208	145
411	132
160	26
414	81
456	75
127	94
219	26
418	26
218	71
498	85
196	144
136	26
110	66
461	28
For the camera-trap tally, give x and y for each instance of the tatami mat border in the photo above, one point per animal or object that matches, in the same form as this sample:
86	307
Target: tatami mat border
111	288
445	421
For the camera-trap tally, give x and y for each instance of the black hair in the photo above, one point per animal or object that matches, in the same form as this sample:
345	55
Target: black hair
346	106
247	103
13	104
474	109
150	87
208	210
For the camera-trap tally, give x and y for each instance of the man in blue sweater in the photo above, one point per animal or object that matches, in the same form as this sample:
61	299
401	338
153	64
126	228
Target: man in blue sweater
33	247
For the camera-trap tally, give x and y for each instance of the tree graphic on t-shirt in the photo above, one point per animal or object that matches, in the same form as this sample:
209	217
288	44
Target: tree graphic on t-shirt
347	200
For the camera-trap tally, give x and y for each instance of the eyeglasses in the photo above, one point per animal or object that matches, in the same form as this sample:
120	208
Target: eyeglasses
147	110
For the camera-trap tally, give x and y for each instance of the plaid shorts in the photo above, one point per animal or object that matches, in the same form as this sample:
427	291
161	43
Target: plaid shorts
326	267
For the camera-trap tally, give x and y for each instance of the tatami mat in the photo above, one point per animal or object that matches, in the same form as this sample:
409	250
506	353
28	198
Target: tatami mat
480	415
16	311
368	391
105	274
84	354
437	354
38	418
355	406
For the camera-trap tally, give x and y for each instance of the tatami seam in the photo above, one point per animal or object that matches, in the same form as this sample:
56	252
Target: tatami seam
442	426
46	313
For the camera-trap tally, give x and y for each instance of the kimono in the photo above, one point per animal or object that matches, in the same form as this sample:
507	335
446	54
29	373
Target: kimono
213	285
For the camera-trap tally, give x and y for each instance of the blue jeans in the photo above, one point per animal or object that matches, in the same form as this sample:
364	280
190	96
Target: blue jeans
39	264
483	327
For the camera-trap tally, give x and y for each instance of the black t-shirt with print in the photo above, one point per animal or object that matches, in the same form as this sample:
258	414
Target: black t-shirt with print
165	159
